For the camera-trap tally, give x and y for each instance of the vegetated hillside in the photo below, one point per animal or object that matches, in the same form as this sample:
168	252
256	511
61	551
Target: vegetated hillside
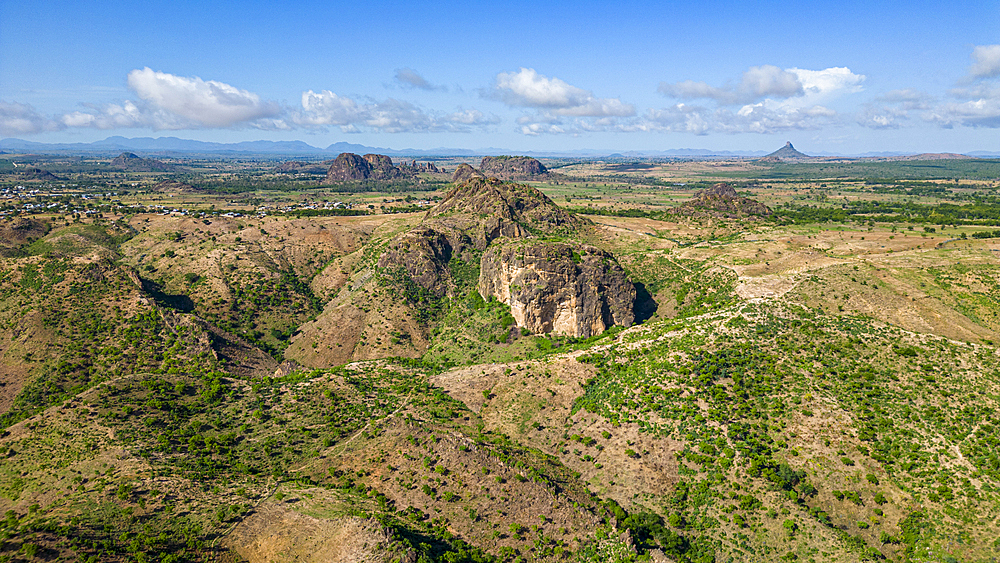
132	162
803	394
404	286
722	201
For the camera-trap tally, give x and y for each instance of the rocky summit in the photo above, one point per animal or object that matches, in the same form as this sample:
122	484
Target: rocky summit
786	153
352	167
722	201
512	167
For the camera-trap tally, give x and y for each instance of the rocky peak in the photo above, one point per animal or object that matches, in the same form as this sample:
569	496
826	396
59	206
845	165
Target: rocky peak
349	167
722	201
490	202
512	167
463	173
786	153
565	288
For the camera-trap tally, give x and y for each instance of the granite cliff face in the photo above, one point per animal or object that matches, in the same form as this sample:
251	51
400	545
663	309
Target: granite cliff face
573	290
512	167
722	201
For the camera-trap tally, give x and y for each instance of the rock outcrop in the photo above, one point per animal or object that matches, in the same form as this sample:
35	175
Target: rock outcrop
469	218
349	167
564	288
722	201
558	288
487	208
463	173
512	167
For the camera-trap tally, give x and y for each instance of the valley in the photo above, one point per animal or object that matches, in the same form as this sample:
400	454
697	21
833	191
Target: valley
239	359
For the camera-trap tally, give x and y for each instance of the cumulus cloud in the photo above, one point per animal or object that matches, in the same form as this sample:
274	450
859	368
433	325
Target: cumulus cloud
409	78
680	118
974	113
529	89
167	101
325	108
828	82
976	101
985	61
757	82
22	119
204	103
771	100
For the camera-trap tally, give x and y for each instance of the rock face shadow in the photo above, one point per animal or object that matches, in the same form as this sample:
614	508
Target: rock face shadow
179	302
645	306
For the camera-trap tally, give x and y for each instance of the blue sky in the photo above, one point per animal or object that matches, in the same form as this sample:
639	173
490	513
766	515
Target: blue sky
838	77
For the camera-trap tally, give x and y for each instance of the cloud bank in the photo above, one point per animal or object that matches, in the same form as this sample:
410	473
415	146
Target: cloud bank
762	99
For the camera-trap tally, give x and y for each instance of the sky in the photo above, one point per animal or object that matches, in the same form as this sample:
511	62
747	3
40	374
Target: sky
831	77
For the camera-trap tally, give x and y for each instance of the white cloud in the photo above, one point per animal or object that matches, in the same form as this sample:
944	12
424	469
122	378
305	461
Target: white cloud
985	61
692	90
527	88
471	117
757	83
22	119
127	115
771	81
876	116
203	103
984	112
409	78
828	82
765	118
167	101
680	118
325	108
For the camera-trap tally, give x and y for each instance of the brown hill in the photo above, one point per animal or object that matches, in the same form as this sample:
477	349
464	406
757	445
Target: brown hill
17	231
722	201
132	162
38	174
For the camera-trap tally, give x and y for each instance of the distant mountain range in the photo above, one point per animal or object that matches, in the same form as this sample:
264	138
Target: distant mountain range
166	145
